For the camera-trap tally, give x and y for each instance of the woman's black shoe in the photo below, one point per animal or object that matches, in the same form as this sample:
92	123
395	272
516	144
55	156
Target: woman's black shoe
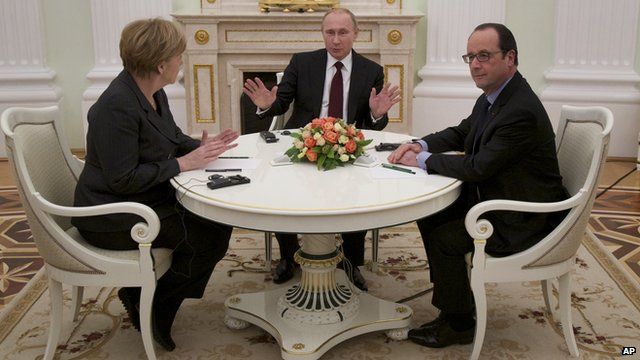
162	334
131	304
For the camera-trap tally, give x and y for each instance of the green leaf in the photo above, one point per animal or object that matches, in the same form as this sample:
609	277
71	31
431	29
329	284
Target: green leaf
292	151
364	143
296	135
321	159
331	154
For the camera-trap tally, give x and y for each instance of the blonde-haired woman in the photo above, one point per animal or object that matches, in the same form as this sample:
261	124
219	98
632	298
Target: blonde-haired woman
133	149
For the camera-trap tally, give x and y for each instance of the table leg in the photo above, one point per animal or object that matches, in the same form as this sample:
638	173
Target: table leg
322	310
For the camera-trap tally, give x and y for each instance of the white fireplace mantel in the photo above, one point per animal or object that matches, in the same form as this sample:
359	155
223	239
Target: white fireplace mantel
223	44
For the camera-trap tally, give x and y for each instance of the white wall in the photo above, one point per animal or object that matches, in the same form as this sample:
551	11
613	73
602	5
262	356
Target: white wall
68	44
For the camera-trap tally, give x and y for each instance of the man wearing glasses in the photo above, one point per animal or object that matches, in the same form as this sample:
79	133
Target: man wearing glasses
509	153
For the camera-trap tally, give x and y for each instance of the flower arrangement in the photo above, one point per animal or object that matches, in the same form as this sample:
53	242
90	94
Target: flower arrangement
329	142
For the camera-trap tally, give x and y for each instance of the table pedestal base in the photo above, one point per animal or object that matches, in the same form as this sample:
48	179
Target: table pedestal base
299	340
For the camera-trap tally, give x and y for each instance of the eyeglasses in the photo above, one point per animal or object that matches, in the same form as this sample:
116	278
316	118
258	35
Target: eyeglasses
481	56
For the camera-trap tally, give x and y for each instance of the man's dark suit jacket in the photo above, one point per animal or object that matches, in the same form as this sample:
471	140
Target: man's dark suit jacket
514	159
131	155
303	81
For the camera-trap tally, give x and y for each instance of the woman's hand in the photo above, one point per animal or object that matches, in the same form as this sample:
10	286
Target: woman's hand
208	151
227	136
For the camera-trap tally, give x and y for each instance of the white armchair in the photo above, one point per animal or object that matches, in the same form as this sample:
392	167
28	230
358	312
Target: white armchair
582	143
46	174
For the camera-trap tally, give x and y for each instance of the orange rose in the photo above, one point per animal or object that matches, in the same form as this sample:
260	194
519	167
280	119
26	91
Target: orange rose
360	135
350	146
315	123
309	142
330	136
351	131
312	155
330	119
327	126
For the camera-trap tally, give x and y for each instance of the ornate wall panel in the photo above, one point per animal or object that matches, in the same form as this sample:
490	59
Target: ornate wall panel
446	92
594	64
25	79
109	18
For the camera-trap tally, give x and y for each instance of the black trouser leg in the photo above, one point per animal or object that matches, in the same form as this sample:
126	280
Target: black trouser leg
353	246
198	246
451	290
288	244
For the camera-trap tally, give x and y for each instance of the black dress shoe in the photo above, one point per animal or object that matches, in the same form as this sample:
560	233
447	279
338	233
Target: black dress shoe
131	304
358	279
441	335
284	271
435	322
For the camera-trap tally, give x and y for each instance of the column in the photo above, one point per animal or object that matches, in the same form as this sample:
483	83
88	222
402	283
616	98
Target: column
446	92
109	18
25	80
596	43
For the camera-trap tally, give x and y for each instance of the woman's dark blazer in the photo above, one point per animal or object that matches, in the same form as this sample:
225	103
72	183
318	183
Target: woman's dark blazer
131	155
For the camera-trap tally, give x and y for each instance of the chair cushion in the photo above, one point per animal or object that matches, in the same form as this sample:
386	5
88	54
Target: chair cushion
160	255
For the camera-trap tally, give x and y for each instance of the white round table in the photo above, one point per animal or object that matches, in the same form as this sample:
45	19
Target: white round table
323	309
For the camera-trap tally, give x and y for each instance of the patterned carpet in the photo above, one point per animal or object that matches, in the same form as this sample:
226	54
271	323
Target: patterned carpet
606	304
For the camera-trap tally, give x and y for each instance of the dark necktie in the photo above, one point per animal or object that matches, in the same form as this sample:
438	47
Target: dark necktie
482	121
335	93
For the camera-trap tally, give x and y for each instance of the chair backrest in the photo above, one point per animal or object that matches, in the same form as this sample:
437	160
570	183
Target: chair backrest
582	145
42	163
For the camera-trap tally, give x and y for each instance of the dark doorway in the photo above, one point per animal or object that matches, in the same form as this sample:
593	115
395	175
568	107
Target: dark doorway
250	122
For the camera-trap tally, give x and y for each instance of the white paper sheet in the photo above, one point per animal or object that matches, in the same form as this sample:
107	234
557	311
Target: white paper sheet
245	164
379	172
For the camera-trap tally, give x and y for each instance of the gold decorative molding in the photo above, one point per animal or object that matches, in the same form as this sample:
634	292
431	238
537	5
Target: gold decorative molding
401	309
196	92
400	68
201	36
394	37
391	2
211	1
298	346
364	36
297	5
235	299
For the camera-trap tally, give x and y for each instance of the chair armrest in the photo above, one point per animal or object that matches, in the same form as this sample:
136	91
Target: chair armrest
143	233
482	229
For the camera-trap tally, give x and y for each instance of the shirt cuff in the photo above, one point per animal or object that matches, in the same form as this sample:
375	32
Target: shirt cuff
260	112
422	159
424	145
374	119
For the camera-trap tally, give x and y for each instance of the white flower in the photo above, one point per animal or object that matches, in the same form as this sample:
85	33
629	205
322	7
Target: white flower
343	157
302	153
307	127
335	147
317	136
320	141
337	127
298	144
306	134
343	139
341	150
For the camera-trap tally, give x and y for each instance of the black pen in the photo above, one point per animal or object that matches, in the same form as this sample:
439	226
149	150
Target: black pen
221	170
233	157
398	168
